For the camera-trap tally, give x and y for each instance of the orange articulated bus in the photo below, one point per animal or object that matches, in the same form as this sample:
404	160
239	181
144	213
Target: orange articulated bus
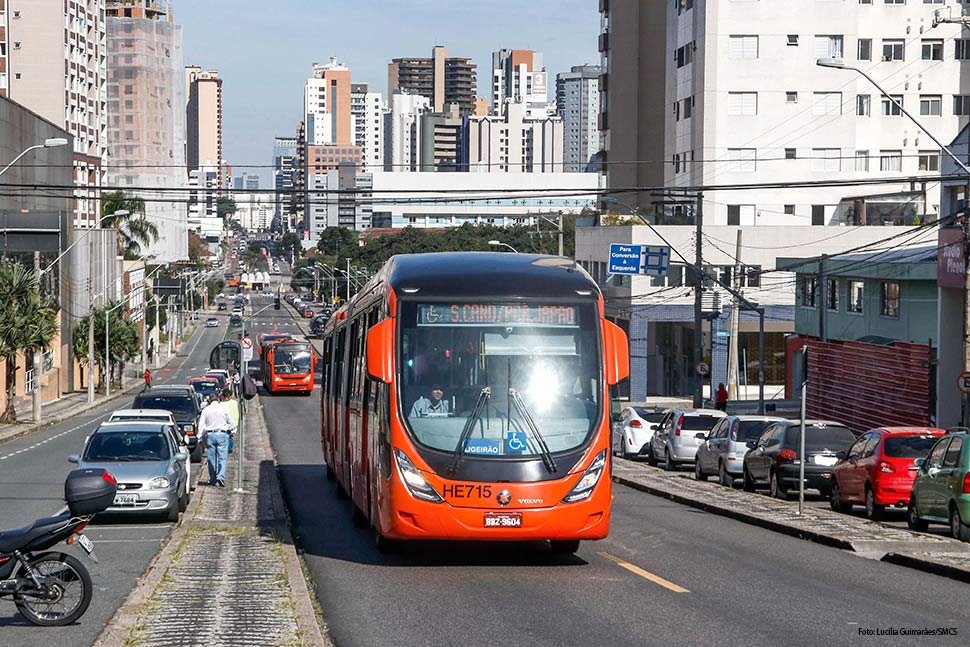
466	396
287	365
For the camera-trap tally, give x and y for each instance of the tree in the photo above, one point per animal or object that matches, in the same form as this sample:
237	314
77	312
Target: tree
339	242
254	258
123	340
289	245
225	207
199	253
28	322
134	229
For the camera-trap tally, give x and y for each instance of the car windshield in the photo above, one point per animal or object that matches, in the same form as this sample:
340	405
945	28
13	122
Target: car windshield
750	430
506	370
137	416
291	361
832	438
127	446
206	387
699	423
178	404
908	446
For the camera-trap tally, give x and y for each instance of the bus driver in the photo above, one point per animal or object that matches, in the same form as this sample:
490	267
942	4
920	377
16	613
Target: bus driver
435	406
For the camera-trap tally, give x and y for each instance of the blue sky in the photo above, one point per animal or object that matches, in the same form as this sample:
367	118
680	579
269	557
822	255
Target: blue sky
264	49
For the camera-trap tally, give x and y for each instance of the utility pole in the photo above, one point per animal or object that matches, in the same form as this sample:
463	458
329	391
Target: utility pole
560	235
107	355
823	292
698	289
144	326
732	372
37	395
91	322
157	355
348	279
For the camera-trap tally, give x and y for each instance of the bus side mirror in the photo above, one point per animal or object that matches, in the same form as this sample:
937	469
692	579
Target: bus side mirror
616	353
380	351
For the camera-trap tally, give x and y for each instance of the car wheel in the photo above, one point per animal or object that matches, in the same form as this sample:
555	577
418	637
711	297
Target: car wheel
958	529
912	517
699	471
874	511
725	477
748	485
776	489
172	514
836	502
184	499
196	456
668	461
651	459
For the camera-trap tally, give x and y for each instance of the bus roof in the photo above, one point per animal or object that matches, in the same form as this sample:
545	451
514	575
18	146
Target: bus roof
469	274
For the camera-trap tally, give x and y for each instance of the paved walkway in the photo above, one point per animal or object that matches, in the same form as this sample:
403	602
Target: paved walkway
230	575
933	553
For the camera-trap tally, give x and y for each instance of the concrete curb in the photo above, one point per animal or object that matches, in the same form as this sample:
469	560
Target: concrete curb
928	565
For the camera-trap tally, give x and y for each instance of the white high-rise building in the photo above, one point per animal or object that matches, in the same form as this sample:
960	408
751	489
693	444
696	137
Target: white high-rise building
518	76
204	191
402	131
326	102
577	102
367	111
514	143
740	99
254	211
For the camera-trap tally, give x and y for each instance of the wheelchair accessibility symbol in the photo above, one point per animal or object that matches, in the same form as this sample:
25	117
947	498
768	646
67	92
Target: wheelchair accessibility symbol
515	442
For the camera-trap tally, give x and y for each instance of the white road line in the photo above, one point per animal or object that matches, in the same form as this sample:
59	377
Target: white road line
130	527
54	437
126	541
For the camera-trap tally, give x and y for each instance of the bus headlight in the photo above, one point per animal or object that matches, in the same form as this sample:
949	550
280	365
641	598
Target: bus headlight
591	477
414	480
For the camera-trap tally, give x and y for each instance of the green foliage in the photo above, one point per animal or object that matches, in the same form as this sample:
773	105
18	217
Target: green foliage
254	258
134	229
225	207
289	244
214	287
28	322
123	338
338	242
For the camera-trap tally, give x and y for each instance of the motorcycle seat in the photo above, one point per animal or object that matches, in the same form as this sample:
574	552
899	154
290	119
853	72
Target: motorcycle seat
11	540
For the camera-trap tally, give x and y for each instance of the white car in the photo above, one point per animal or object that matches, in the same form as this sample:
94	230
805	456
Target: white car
158	415
634	430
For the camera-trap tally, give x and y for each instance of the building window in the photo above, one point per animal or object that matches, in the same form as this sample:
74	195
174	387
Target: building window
790	154
890	109
740	214
862	105
892	50
828	46
890	299
792	40
742	103
743	47
862	160
854	296
791	97
827	103
832	295
807	291
891	161
826	159
684	54
789	210
744	160
931	50
818	215
930	106
961	105
929	160
962	49
864	49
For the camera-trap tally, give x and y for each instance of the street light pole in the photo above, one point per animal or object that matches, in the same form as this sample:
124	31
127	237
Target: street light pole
498	243
52	142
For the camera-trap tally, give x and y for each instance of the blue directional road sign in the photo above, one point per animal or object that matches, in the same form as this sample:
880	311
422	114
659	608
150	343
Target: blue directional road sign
652	260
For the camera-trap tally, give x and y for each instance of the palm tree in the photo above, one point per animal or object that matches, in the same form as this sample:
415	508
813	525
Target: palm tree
134	229
28	321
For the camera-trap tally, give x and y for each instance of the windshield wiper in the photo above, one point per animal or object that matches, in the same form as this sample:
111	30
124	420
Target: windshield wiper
523	410
466	433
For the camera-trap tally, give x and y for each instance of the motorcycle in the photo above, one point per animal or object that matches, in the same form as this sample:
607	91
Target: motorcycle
52	588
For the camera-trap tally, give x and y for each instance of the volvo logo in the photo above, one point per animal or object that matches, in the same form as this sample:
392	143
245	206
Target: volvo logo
504	497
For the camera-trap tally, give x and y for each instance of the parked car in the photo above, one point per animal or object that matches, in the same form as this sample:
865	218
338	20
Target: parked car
941	491
876	471
182	402
235	320
774	461
222	306
308	312
162	416
204	387
675	441
633	429
220	374
151	472
212	322
722	449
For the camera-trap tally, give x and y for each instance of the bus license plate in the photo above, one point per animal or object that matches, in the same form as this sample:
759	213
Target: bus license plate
503	519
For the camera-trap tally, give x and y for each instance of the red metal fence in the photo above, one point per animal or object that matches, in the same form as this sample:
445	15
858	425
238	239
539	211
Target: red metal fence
867	385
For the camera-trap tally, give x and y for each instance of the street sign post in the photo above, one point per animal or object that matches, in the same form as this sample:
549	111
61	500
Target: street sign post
247	349
651	260
703	369
963	382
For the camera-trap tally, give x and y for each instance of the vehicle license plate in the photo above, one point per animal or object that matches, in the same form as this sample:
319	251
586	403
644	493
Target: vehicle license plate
126	499
824	460
503	519
86	544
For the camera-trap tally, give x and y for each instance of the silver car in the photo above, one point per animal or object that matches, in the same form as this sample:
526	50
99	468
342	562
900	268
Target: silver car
143	456
159	415
676	440
722	449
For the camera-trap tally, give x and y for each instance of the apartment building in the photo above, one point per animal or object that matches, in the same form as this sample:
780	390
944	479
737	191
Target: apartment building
443	140
203	112
326	102
246	182
284	181
402	131
146	119
518	76
727	93
367	110
440	78
340	197
53	61
577	103
203	213
514	143
254	211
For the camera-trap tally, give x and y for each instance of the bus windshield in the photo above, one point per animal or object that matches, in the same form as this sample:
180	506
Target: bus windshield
291	361
512	377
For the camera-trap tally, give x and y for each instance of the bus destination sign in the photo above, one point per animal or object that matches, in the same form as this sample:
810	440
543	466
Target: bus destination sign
497	314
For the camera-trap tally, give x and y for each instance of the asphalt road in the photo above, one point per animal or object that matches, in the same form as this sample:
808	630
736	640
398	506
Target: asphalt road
32	471
667	575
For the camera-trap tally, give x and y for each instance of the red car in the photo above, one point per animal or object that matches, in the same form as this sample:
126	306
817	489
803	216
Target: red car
878	470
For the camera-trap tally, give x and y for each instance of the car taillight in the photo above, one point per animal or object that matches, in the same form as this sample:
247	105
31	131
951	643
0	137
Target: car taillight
677	429
636	424
109	477
788	455
886	467
966	483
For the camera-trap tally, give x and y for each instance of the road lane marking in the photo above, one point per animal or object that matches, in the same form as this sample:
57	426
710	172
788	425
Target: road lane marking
656	579
54	437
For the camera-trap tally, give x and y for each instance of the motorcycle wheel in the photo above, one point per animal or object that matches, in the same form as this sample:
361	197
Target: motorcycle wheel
70	591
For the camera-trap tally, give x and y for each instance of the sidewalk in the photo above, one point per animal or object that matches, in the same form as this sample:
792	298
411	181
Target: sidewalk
229	574
932	553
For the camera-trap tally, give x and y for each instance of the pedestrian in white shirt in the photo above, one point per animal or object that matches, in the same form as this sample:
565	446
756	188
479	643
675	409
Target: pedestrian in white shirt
216	423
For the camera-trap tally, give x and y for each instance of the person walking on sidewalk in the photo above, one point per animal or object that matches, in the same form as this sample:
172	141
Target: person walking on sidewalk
148	379
721	398
232	406
216	424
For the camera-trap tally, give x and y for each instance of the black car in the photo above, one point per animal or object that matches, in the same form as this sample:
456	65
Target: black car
773	458
317	324
235	320
222	306
184	405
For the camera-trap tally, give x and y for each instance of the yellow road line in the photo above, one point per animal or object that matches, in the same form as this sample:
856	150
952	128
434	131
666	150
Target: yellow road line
656	579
